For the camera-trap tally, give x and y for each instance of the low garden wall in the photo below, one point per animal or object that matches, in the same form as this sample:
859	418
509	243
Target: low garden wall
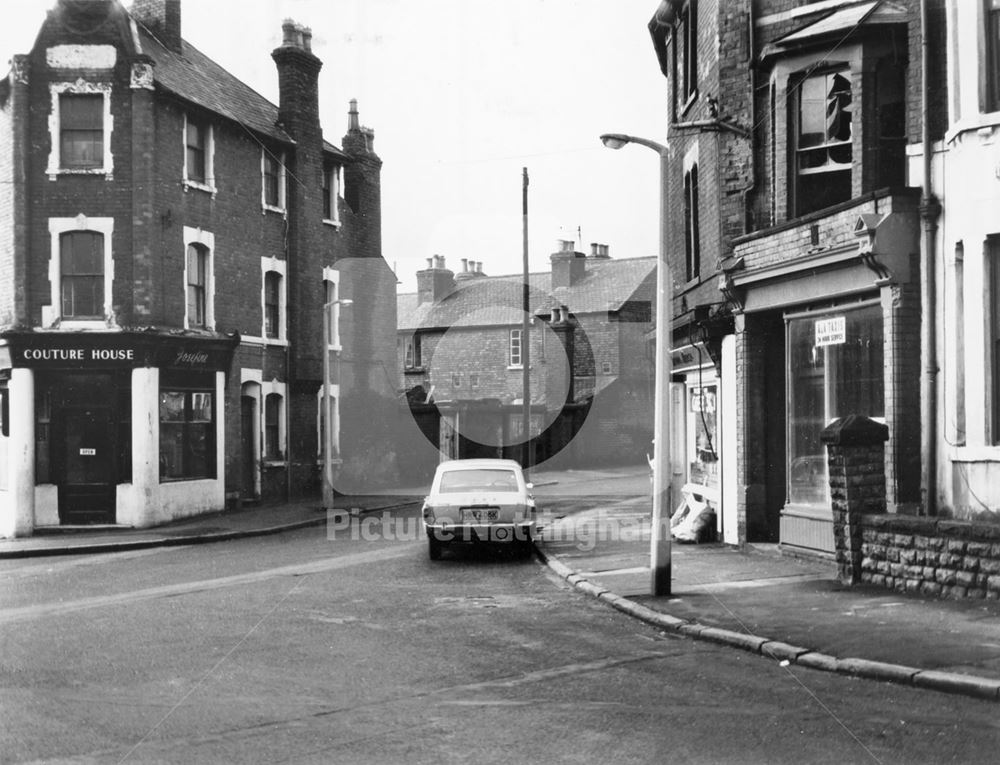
954	559
933	556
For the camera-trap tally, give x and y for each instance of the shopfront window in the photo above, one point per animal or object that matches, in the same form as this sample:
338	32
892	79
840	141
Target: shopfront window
187	432
704	458
835	368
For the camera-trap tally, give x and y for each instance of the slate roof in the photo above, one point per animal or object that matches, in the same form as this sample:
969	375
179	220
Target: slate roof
195	77
496	300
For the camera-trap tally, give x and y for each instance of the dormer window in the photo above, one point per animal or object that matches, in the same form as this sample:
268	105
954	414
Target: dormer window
823	146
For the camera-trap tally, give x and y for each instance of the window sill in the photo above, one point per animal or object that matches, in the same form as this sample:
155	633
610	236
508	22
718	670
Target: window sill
54	173
414	370
266	208
185	479
199	186
985	453
72	324
981	121
274	464
332	223
258	340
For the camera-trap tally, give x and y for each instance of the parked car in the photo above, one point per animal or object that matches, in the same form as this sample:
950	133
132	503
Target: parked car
479	501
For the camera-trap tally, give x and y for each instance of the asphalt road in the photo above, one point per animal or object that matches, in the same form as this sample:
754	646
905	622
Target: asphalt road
358	649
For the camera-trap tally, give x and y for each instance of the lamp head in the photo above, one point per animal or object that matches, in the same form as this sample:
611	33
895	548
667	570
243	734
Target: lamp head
345	302
615	140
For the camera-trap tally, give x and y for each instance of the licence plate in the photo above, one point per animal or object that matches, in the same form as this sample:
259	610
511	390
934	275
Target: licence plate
480	513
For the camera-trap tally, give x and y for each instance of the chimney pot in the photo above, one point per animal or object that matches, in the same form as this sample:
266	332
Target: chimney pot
465	265
307	35
595	249
288	32
566	245
430	262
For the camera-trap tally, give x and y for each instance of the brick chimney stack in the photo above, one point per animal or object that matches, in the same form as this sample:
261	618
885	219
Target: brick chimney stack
568	266
162	18
298	80
435	282
362	180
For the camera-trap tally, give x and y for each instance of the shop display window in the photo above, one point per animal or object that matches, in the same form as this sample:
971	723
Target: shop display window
835	368
187	432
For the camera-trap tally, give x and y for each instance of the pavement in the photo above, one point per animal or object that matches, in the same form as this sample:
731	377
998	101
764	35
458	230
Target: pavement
790	610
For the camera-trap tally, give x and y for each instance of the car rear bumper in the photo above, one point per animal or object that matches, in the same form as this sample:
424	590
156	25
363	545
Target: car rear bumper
520	531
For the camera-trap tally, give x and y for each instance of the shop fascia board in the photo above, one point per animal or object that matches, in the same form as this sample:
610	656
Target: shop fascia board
811	261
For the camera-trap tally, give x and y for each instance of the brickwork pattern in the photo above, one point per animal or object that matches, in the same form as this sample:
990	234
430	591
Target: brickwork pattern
949	559
857	485
151	206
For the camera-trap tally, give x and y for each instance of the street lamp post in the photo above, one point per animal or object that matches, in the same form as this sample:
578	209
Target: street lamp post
659	559
327	405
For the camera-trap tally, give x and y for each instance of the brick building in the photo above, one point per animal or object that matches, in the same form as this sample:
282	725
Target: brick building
791	125
461	349
169	238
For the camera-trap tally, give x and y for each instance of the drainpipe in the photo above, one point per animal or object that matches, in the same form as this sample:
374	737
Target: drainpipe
930	209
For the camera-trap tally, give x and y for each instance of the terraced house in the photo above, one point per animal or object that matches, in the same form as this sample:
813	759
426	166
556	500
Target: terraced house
462	351
168	241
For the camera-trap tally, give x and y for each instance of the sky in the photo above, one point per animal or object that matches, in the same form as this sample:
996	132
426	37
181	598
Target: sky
462	95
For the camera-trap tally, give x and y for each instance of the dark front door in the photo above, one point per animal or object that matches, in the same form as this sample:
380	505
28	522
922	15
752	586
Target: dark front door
87	489
248	454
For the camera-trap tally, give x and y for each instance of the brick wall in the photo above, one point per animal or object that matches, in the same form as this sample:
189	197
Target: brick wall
151	206
7	218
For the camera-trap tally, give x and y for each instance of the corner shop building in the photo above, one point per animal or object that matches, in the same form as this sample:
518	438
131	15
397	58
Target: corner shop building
111	427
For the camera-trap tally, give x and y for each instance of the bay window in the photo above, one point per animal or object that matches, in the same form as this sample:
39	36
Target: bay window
823	151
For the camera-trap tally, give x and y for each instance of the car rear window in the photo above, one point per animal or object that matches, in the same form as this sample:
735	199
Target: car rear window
473	480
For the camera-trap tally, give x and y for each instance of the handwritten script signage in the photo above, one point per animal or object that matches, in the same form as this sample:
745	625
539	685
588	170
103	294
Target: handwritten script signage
125	350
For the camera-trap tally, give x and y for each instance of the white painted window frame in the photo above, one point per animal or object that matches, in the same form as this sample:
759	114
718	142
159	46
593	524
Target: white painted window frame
334	389
209	184
207	240
81	86
333	178
511	364
279	267
281	207
267	389
52	313
331	291
251	385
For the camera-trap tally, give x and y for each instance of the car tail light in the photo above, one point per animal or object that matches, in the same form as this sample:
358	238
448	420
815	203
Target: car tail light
428	513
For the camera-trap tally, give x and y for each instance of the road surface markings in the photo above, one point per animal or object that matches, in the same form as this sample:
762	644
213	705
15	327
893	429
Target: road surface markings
41	610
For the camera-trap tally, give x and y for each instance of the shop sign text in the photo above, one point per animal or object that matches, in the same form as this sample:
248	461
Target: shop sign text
832	331
78	355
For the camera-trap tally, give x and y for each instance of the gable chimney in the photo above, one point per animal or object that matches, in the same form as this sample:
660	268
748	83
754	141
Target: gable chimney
162	18
568	266
435	282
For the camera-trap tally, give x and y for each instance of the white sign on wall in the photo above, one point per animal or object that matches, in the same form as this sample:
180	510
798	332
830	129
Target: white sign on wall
832	331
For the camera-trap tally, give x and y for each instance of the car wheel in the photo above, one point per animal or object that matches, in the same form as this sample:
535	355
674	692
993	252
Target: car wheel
433	548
